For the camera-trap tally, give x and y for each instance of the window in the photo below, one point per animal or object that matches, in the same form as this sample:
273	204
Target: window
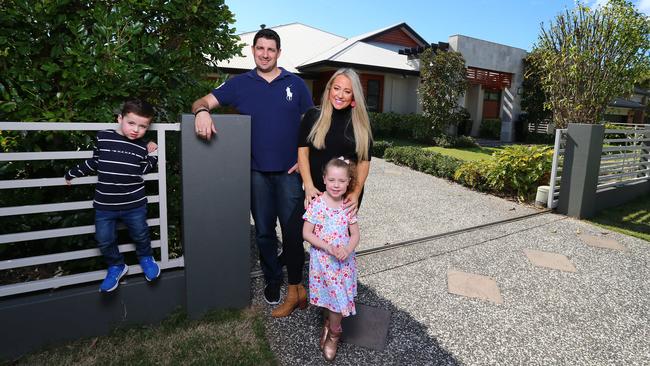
372	95
494	95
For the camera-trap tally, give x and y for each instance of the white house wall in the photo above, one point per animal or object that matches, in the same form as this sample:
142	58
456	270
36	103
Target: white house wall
400	93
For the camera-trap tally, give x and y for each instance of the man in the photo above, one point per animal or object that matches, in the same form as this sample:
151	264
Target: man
275	99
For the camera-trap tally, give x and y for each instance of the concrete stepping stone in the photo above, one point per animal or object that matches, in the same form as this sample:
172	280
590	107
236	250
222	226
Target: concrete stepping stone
601	242
368	328
473	285
550	260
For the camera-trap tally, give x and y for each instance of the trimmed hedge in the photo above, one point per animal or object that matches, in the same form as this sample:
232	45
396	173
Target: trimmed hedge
379	148
517	170
428	162
413	127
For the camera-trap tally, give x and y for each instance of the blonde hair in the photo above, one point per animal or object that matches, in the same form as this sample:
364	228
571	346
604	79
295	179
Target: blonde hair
360	120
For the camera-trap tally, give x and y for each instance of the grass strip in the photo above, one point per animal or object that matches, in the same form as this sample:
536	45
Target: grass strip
632	218
224	337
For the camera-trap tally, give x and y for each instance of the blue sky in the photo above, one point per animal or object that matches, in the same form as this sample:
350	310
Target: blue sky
512	22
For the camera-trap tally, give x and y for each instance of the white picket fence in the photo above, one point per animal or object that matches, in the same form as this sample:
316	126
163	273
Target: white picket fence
66	280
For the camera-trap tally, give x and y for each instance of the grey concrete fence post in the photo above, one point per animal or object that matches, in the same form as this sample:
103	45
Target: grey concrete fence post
216	223
584	147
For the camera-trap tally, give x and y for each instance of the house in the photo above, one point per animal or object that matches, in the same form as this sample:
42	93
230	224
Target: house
629	110
390	78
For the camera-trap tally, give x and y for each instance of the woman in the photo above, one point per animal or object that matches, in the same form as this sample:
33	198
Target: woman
339	128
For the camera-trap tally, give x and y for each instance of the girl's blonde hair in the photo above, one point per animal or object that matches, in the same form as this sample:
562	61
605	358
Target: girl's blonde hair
360	120
349	167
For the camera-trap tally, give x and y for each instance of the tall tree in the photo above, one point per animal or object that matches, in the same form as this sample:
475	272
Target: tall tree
588	57
76	60
442	83
533	97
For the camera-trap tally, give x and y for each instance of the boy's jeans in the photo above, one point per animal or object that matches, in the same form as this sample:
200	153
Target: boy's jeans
273	197
135	220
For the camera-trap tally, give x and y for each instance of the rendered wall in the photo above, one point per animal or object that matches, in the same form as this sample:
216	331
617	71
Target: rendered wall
497	57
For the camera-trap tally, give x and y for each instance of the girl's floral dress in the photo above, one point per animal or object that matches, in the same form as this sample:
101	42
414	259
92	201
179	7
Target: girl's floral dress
332	283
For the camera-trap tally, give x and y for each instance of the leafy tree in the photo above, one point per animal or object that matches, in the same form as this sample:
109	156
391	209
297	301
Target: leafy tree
76	60
588	57
442	83
533	97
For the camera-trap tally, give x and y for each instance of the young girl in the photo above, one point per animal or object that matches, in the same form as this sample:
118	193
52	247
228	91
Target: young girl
333	234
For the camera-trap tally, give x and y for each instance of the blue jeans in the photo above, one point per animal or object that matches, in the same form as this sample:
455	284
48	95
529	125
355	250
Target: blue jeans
273	197
135	220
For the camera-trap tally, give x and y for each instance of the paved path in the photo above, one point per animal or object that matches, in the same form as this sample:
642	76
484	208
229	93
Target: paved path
599	314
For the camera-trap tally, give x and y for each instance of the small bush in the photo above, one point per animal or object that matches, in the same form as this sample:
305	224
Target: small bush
428	162
448	141
519	169
473	174
490	128
379	148
465	141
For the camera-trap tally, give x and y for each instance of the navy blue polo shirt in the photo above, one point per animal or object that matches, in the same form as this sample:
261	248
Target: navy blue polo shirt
275	109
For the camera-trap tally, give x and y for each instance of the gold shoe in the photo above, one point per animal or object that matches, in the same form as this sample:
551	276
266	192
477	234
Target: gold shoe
323	333
331	344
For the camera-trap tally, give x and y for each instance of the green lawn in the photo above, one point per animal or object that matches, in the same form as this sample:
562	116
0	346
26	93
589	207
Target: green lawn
466	153
226	337
631	219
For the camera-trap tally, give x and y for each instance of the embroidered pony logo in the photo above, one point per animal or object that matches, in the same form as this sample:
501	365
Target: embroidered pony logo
289	93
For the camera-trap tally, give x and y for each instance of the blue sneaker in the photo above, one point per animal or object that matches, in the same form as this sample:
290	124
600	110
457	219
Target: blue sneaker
150	268
113	276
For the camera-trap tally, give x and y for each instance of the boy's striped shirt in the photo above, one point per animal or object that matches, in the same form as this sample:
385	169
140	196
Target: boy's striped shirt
119	164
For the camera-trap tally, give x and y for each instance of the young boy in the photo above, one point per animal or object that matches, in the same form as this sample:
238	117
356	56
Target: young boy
120	159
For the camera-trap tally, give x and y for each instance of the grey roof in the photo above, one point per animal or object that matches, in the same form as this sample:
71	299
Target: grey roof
624	103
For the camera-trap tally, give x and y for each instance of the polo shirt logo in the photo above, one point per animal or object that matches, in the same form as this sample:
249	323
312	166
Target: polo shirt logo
289	93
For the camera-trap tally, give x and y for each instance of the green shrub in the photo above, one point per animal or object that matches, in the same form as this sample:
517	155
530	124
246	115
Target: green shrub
413	127
473	174
379	148
490	128
519	169
463	121
384	125
465	141
540	138
448	141
428	162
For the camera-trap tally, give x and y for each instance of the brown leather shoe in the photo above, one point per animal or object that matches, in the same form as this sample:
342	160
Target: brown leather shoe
331	344
291	302
302	297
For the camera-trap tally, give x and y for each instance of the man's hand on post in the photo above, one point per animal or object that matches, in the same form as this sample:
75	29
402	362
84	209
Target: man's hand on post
203	124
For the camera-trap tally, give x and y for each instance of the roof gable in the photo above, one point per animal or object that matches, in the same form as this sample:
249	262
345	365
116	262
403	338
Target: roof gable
304	47
400	35
300	42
